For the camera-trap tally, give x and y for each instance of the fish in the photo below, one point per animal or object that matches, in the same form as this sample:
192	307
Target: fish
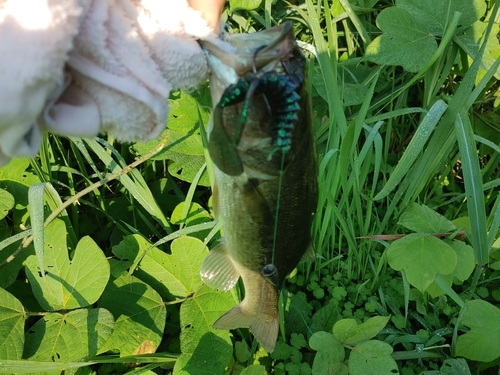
261	142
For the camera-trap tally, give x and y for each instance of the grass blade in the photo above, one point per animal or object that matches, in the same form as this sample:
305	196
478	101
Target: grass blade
415	147
35	199
473	187
138	188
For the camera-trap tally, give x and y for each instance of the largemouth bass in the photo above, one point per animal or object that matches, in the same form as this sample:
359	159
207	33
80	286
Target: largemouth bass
265	168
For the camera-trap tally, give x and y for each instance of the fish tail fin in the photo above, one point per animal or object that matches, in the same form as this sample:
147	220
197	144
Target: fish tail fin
264	328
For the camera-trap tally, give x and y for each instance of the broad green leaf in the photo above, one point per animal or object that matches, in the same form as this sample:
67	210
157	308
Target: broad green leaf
348	332
190	216
329	351
10	270
6	203
463	223
196	214
422	257
12	318
254	370
372	358
184	148
351	79
244	4
68	337
455	366
435	15
67	284
242	351
470	41
325	318
451	366
173	276
204	349
465	257
482	342
139	313
405	41
435	290
339	368
15	180
297	312
420	218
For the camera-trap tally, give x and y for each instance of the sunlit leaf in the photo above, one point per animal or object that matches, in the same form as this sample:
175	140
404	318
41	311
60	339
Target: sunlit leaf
6	203
482	342
174	275
68	337
196	214
451	366
372	358
16	180
139	313
405	41
254	370
205	349
420	218
435	15
244	4
67	284
184	149
12	318
329	351
350	333
422	257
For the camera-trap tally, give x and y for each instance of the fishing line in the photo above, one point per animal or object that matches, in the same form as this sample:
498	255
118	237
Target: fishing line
276	217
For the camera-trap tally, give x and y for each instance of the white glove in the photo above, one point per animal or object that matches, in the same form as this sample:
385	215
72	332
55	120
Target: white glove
82	67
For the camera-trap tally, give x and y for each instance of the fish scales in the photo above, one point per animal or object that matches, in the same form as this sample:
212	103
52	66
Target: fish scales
265	169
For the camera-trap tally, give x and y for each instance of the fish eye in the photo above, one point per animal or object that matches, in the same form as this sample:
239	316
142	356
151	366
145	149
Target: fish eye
269	270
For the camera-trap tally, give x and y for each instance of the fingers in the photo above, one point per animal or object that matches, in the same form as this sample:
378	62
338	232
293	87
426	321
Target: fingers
211	10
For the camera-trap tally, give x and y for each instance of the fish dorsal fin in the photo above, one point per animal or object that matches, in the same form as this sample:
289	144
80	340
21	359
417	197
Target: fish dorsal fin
218	270
309	255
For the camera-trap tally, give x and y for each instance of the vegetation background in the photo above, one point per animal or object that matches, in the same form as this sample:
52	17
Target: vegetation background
101	243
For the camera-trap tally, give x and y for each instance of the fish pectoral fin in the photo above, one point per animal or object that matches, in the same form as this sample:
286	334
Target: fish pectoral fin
264	330
218	270
310	255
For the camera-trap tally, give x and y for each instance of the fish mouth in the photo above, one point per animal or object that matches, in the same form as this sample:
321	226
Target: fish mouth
262	50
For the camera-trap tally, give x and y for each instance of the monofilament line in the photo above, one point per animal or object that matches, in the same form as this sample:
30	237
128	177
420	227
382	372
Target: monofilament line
276	217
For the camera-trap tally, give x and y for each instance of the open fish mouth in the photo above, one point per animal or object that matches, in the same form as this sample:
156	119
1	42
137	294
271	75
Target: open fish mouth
274	44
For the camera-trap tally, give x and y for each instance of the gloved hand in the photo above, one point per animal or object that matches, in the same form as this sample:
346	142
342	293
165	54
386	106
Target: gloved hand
82	67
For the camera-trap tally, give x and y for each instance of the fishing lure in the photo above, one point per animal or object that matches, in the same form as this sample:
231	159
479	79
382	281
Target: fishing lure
279	90
280	96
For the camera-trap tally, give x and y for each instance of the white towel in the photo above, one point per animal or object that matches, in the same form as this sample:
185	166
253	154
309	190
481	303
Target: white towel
82	67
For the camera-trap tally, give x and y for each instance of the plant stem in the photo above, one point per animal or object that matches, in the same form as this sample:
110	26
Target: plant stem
475	279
